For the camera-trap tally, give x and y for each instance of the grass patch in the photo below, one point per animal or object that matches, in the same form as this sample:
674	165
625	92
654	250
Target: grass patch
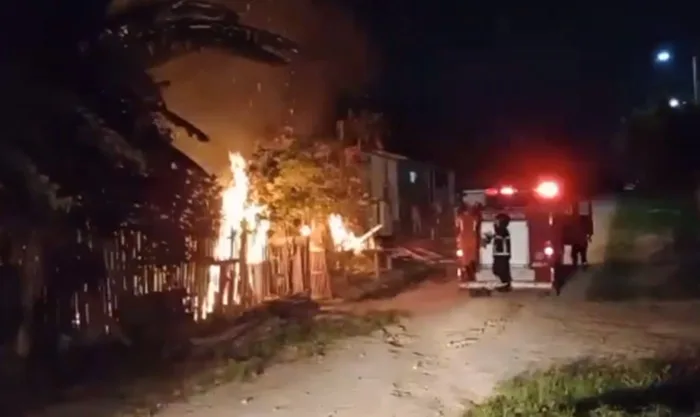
284	341
643	231
598	387
649	215
636	217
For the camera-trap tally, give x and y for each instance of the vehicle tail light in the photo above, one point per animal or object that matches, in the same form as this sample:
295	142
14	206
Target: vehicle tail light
460	253
548	250
491	191
547	189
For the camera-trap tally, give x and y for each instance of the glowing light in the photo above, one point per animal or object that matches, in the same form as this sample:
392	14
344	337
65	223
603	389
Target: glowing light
547	189
673	102
663	56
237	211
305	230
548	251
507	190
460	253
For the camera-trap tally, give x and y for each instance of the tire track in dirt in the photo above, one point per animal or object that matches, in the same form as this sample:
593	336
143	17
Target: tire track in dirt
490	327
439	355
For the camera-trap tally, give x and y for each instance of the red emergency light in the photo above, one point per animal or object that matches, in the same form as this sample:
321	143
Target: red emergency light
505	190
547	189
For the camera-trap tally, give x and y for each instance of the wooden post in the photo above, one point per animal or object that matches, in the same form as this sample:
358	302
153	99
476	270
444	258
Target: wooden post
377	267
320	279
242	277
298	281
307	261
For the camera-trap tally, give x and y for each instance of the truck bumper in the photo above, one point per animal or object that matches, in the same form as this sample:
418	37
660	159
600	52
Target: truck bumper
522	278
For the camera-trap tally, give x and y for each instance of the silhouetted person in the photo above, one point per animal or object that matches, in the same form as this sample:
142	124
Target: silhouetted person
437	217
582	232
416	220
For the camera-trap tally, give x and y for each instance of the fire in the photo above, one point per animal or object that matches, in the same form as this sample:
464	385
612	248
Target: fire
346	240
237	211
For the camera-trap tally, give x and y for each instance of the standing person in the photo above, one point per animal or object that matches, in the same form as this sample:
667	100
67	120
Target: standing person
416	220
437	217
582	233
467	242
501	251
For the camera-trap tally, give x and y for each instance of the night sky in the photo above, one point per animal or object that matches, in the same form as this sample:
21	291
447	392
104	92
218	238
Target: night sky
560	75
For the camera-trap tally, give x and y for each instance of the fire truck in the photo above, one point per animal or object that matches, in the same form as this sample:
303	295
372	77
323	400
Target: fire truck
540	214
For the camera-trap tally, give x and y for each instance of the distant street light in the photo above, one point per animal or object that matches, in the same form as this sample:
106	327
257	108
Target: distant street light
665	56
673	102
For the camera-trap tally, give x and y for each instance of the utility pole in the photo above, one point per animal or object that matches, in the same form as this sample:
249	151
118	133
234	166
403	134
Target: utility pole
695	79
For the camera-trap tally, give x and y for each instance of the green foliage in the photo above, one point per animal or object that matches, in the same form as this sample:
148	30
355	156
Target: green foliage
584	388
653	145
86	130
304	181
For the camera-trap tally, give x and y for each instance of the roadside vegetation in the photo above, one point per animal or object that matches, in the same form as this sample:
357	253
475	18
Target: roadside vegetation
636	217
652	241
609	387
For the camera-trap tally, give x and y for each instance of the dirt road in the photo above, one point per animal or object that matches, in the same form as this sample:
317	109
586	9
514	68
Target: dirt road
455	349
452	352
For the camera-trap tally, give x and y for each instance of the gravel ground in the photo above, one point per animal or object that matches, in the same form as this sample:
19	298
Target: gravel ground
452	352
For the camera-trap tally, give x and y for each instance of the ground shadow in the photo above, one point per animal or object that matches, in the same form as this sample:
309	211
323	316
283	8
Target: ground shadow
413	276
563	275
105	383
679	396
679	392
661	385
670	273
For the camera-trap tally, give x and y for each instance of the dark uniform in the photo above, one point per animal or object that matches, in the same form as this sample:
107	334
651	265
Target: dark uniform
582	232
502	252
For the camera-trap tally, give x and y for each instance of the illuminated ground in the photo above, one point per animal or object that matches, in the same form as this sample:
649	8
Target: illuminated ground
453	351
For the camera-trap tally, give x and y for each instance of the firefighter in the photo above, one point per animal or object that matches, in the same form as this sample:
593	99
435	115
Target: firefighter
501	251
467	241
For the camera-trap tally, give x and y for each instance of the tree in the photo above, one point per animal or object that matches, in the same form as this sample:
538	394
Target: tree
653	147
86	134
90	86
304	181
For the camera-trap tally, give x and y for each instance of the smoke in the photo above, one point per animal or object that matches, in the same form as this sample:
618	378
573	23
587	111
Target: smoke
237	101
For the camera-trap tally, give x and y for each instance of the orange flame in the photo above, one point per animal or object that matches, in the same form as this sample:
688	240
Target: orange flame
237	210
